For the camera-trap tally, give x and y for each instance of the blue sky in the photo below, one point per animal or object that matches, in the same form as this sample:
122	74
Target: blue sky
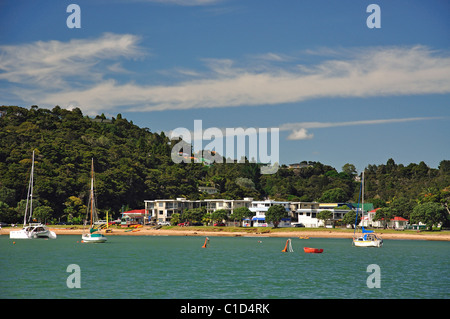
339	91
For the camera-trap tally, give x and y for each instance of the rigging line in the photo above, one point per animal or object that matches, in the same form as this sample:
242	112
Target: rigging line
359	197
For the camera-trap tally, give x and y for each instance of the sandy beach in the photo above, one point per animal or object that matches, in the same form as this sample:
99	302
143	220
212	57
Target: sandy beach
262	232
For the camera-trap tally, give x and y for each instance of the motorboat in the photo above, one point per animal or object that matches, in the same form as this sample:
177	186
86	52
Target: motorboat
310	250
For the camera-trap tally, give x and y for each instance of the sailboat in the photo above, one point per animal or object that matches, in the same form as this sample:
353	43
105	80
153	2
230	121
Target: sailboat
368	238
92	235
32	230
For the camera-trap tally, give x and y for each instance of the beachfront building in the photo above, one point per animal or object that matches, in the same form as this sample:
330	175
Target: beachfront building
227	204
306	213
260	208
133	217
397	222
161	210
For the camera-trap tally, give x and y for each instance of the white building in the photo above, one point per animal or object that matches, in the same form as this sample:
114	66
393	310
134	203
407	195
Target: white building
397	222
260	208
227	204
161	210
307	213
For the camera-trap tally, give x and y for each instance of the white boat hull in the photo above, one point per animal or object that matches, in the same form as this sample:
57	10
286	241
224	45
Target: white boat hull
19	234
368	240
368	243
93	238
32	232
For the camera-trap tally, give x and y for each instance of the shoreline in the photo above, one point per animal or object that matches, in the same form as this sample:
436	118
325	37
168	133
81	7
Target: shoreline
263	232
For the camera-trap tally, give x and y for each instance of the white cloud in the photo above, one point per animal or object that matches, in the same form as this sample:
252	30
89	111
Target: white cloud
50	64
73	73
300	134
299	130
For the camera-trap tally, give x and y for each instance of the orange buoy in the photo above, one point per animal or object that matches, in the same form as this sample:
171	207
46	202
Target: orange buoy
285	247
288	247
206	242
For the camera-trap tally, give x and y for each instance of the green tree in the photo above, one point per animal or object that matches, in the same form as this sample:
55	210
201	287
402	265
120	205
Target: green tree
175	218
444	166
75	210
7	195
275	213
349	169
42	214
402	206
430	213
193	215
349	218
335	195
384	214
245	182
240	213
219	215
7	214
325	215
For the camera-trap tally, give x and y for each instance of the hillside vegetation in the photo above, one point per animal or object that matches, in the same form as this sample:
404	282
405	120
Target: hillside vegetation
133	164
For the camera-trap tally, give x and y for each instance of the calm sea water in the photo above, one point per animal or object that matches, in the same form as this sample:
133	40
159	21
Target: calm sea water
238	267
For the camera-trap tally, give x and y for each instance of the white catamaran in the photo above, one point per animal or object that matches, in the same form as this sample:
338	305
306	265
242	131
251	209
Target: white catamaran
368	238
92	235
32	230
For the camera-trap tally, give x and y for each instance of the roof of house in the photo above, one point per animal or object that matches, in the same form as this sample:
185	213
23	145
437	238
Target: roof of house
398	219
134	212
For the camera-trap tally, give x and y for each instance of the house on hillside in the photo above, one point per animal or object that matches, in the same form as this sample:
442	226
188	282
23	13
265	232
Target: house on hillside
303	164
207	189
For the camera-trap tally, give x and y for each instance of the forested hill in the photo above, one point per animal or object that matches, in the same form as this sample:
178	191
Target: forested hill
133	164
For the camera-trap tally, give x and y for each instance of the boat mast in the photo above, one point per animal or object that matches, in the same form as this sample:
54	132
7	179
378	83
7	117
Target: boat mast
357	207
92	190
30	193
362	197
